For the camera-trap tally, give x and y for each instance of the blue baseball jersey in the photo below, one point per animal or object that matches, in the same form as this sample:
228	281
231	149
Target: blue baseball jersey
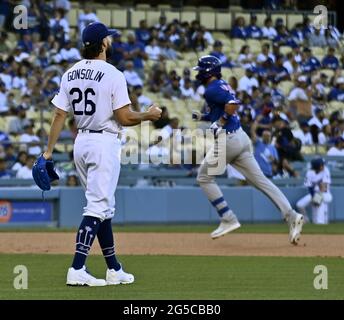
217	94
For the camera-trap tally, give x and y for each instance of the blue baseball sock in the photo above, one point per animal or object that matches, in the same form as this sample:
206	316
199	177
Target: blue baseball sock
220	205
105	238
84	238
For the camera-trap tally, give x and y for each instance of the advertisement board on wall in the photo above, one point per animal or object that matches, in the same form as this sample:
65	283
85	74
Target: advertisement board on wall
25	212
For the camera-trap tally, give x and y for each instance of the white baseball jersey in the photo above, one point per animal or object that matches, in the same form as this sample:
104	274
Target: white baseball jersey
92	90
313	179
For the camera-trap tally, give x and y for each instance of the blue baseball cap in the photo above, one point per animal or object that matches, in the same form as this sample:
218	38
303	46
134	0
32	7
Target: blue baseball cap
95	33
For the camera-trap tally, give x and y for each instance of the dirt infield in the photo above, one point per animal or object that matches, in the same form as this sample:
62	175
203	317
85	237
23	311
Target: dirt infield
146	243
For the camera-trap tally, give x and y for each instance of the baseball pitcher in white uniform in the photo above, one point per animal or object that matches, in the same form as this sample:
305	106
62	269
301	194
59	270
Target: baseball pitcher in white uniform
95	92
317	180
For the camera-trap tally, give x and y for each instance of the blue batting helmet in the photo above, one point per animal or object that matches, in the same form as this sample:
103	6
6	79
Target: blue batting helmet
317	163
207	67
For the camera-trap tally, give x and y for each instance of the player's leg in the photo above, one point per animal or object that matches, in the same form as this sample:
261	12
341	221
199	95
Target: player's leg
77	274
303	203
115	274
206	180
248	166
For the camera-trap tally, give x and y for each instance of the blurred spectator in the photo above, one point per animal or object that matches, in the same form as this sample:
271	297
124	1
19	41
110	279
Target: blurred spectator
152	50
167	51
297	34
309	63
118	49
252	30
280	73
337	93
143	101
268	30
162	24
265	54
245	57
300	99
86	17
265	152
26	171
330	61
172	90
4	172
187	91
238	29
164	119
319	119
198	42
167	131
25	43
248	81
157	77
30	140
62	4
338	148
217	52
17	123
142	33
20	161
303	134
135	51
72	180
132	77
331	40
10	156
3	99
69	53
316	39
59	26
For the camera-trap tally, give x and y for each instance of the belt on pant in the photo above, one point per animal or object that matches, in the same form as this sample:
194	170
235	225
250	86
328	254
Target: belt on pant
233	131
99	131
90	131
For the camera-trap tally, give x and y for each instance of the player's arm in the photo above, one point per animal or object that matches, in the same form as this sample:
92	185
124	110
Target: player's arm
55	130
127	117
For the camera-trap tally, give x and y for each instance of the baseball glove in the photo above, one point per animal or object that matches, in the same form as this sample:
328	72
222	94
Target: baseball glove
43	173
317	199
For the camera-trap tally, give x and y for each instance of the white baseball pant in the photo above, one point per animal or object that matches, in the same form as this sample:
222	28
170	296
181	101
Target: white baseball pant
319	213
97	159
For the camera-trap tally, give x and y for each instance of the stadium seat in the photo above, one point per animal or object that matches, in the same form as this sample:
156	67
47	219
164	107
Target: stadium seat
164	6
104	16
293	19
336	105
237	44
191	57
260	19
72	17
135	17
188	16
328	72
119	18
223	21
285	50
276	16
184	63
254	45
171	15
238	72
143	6
152	17
207	20
318	51
286	86
226	73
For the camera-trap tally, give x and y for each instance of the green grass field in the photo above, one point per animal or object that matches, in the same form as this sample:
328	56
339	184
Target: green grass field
333	228
178	277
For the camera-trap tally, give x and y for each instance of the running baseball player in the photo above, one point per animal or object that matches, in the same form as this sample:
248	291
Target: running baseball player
237	151
96	93
317	180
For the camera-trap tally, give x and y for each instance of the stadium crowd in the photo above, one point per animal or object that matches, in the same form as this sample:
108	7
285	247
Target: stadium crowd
280	122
